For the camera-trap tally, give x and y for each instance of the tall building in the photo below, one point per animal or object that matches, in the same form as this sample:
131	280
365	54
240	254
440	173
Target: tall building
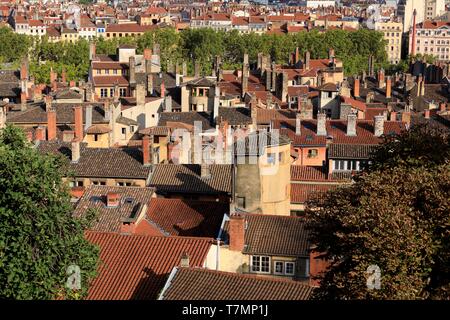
426	10
432	38
392	31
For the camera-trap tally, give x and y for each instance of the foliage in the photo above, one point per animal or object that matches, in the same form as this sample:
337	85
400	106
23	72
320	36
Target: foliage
394	216
39	238
13	46
353	47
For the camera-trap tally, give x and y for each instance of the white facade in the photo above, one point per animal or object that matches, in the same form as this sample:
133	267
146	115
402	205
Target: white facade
432	40
318	3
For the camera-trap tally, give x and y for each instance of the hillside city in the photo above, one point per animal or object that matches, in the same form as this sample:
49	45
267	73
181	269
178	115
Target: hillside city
224	150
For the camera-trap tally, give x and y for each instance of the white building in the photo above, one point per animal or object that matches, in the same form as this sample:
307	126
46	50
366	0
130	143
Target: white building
432	38
317	3
426	10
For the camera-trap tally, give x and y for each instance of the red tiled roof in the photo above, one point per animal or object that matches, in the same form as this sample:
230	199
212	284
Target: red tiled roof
203	284
428	24
136	267
187	218
307	173
129	27
301	192
361	106
109	65
110	80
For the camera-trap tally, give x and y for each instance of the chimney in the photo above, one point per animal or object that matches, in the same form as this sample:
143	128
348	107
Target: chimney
388	87
140	94
356	87
284	87
427	113
88	121
75	150
23	100
51	124
393	116
40	133
48	103
53	76
132	70
68	135
89	93
268	80
107	109
78	118
168	104
422	88
24	70
237	232
91	50
331	53
298	124
321	124
163	90
72	83
148	60
381	82
196	69
297	56
112	199
146	151
184	69
413	41
371	66
116	92
379	126
205	171
274	77
307	60
351	124
254	116
245	74
150	84
2	117
184	263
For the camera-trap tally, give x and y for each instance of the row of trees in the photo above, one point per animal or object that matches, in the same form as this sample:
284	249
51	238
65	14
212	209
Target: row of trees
202	45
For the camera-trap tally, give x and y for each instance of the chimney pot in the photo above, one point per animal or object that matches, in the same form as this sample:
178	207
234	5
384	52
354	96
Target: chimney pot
51	124
351	124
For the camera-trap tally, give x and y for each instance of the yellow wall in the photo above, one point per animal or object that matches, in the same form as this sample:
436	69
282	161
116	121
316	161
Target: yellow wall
102	140
109	182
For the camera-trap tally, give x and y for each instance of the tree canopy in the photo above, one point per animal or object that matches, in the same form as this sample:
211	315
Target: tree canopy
39	238
353	47
395	216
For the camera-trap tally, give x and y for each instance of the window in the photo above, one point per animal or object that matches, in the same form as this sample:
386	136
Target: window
103	93
131	128
99	183
279	267
312	153
260	264
115	71
280	157
271	158
111	92
124	131
78	183
122	91
289	268
95	137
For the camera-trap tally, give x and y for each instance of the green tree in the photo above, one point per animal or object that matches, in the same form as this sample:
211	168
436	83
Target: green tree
39	238
395	216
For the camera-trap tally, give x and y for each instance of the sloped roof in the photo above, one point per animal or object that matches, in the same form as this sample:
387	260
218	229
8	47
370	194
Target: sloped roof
302	192
136	267
203	284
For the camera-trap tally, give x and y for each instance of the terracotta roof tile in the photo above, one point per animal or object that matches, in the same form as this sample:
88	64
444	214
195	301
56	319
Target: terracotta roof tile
302	192
136	267
203	284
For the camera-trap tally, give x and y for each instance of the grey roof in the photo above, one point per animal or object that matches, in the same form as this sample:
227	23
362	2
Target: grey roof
126	121
255	143
186	118
350	151
123	163
235	116
9	84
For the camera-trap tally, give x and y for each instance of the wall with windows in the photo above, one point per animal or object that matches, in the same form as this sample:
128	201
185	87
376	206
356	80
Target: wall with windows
346	165
84	182
97	140
311	156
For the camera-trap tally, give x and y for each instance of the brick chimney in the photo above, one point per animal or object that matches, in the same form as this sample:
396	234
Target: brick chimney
245	75
393	116
148	60
24	70
388	87
150	84
356	87
112	199
72	83
146	151
381	82
237	232
75	150
78	119
51	124
427	113
40	133
163	89
63	76
379	126
37	93
297	56
48	103
351	124
321	124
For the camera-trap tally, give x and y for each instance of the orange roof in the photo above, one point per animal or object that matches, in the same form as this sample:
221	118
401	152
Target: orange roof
428	24
137	267
361	106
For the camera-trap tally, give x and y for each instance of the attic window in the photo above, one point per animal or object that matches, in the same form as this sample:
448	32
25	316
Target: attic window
128	200
309	137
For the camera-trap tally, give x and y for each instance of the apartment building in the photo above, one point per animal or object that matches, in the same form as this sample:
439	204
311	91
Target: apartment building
432	38
393	35
425	10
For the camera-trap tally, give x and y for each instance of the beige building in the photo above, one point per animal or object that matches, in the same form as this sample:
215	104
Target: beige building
432	38
393	35
425	10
